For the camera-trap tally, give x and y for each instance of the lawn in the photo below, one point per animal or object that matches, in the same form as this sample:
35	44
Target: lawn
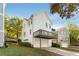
14	50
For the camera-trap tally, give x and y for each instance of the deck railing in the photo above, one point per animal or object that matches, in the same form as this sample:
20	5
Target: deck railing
44	34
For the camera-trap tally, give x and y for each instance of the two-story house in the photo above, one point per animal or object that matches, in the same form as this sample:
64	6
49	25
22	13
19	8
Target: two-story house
37	30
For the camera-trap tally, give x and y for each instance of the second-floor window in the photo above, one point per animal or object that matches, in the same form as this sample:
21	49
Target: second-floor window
30	31
31	21
24	34
46	25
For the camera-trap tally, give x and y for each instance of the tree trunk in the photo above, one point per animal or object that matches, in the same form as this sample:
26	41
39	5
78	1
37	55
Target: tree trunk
17	33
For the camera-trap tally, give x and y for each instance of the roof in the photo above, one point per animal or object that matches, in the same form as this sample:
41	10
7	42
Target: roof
39	12
44	12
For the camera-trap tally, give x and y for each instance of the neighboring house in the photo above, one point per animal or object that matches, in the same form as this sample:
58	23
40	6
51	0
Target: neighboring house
37	30
63	37
1	26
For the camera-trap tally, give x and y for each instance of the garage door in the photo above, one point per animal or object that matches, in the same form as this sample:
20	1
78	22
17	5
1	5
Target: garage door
64	45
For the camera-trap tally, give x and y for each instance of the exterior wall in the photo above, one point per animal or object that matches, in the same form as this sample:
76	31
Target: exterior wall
44	42
55	41
1	39
26	36
63	37
1	26
25	31
39	21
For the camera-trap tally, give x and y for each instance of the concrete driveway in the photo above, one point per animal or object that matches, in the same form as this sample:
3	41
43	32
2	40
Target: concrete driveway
61	52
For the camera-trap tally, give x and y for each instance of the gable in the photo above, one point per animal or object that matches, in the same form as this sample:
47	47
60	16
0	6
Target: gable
44	14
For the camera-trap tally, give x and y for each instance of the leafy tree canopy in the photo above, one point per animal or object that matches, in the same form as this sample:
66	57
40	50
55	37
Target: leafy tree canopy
13	26
65	10
74	33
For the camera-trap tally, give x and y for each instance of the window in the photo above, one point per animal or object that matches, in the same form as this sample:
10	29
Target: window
24	34
31	21
25	39
49	26
46	25
30	31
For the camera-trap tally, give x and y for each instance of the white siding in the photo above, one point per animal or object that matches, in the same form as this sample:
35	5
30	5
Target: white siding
26	28
1	26
1	39
63	37
39	22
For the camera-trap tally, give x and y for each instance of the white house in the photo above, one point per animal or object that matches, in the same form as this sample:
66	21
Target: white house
1	26
63	37
37	30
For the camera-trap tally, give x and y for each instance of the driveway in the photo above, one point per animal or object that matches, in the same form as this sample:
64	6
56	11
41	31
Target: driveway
61	52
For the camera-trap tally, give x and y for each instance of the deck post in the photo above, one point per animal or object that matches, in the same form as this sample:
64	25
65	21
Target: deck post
40	42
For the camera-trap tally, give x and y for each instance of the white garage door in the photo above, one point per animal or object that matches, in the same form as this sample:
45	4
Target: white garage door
64	45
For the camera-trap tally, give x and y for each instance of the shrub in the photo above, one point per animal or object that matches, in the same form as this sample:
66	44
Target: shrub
19	41
55	45
5	45
11	41
25	44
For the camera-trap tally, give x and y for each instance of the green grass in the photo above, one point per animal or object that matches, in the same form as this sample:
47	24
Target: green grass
14	50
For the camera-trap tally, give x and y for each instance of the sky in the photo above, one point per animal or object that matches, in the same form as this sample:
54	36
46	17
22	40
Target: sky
26	10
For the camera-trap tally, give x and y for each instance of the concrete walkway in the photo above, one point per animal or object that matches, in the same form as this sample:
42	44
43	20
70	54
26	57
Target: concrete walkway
61	52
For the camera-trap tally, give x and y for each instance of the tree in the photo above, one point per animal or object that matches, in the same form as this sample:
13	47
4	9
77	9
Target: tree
16	26
72	26
74	33
6	25
13	27
65	10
